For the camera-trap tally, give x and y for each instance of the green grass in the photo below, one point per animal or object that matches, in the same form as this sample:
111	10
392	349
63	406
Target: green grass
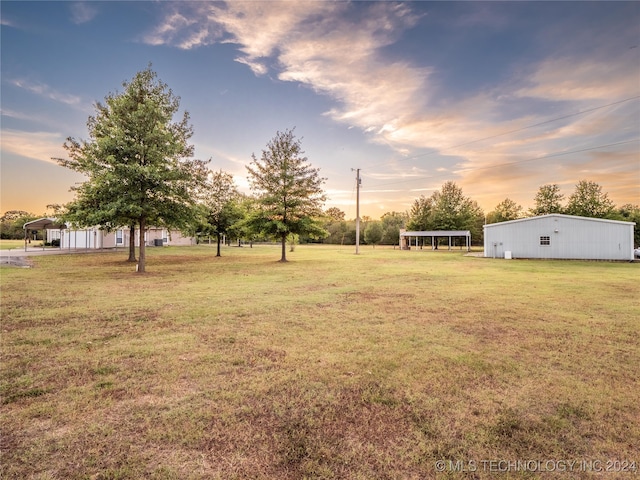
330	366
6	244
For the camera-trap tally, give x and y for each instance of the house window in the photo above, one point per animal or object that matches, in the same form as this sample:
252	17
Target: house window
119	237
545	240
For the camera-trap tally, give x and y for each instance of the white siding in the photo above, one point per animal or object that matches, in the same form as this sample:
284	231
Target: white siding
96	238
87	238
569	238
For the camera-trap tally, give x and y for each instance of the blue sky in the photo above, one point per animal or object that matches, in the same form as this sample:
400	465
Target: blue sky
500	97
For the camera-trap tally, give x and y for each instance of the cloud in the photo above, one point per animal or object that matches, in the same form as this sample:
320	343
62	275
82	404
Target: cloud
175	30
40	146
339	50
18	115
333	48
82	12
574	79
47	92
256	67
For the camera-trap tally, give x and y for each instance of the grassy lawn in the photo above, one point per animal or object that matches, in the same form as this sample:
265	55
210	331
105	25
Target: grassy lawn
12	244
330	366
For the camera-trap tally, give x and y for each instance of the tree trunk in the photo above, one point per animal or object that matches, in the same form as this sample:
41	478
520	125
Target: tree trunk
141	255
284	248
218	237
132	243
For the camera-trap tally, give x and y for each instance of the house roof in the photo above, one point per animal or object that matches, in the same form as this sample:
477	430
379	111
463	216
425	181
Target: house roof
558	215
44	223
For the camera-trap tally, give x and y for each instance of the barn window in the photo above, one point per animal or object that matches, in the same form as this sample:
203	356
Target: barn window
545	240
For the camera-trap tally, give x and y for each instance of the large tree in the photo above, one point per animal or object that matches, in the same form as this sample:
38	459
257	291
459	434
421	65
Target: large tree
289	191
242	230
373	233
221	204
89	209
505	211
548	200
452	210
421	214
137	161
588	200
335	214
631	213
392	222
447	209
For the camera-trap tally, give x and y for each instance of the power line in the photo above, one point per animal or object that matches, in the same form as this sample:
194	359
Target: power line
544	157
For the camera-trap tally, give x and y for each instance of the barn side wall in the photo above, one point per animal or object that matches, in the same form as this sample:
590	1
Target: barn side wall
569	238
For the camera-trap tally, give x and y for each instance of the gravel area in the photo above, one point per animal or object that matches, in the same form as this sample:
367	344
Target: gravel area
15	261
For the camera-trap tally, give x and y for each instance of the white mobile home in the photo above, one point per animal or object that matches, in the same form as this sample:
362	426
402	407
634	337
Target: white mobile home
95	238
561	237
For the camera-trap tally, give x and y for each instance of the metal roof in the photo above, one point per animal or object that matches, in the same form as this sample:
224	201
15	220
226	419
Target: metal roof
557	215
44	223
437	233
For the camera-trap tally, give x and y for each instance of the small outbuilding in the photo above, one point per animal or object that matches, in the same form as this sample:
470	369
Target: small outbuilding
560	236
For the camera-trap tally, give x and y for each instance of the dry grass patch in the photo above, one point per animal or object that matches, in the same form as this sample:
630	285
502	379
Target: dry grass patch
330	366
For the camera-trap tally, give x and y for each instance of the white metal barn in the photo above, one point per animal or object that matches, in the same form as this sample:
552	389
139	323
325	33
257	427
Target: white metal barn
560	236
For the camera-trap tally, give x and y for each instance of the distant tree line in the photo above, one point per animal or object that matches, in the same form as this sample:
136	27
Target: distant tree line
449	209
11	224
385	231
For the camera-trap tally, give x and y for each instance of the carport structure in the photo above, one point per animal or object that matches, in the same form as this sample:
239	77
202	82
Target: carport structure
405	238
41	224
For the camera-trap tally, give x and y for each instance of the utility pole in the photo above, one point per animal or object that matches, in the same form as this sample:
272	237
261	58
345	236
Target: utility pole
358	182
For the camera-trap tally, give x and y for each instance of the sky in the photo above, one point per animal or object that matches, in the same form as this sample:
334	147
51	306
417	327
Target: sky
499	97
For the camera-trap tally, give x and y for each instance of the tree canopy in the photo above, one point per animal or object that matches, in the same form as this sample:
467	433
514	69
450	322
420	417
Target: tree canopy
588	200
137	161
505	211
373	233
548	200
447	209
289	191
221	202
334	213
392	222
12	222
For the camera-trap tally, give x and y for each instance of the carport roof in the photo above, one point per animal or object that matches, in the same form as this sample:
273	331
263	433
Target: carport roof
437	233
44	223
